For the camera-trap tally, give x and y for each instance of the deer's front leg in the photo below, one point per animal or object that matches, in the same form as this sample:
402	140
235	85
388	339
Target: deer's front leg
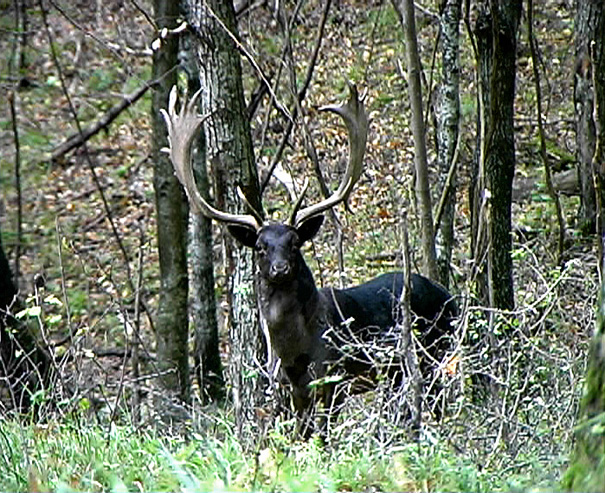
303	397
304	405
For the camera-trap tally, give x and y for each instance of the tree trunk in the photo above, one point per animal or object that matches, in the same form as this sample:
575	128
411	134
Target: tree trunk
405	10
477	197
206	356
448	120
499	155
24	365
229	150
586	470
172	331
589	15
598	161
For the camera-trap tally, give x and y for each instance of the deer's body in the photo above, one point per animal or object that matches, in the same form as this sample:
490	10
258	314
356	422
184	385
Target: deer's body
310	328
298	315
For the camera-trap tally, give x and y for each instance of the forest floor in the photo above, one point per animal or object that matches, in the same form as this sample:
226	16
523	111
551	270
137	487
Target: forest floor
517	438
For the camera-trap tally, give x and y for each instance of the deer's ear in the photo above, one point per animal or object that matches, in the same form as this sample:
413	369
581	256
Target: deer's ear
245	235
309	227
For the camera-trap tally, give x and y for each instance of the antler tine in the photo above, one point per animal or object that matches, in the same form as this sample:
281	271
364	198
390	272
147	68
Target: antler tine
356	120
182	130
301	196
244	199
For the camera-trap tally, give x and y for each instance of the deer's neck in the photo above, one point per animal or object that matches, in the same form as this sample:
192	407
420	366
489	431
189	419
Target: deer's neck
291	310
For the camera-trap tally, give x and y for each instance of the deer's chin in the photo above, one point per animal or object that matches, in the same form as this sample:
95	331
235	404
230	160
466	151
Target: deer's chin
280	278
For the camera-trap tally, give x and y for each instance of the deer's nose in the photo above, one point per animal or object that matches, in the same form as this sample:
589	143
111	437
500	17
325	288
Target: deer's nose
280	269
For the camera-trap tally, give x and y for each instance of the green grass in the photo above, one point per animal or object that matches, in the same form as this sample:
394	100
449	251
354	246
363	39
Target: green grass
68	456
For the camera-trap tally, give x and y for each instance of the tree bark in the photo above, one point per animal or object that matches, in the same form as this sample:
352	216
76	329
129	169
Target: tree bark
499	155
589	15
25	367
405	10
586	471
230	152
448	121
207	360
172	331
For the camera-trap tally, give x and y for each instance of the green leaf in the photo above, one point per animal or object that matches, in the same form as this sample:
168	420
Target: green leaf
51	299
34	311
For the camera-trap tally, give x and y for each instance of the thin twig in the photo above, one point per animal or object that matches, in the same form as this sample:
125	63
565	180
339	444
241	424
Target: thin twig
429	84
89	162
242	49
63	278
300	95
15	127
121	384
372	43
543	153
447	186
91	166
81	29
308	139
147	16
405	322
136	336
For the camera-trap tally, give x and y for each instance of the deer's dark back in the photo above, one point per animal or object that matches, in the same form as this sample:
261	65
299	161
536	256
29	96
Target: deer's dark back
371	309
374	303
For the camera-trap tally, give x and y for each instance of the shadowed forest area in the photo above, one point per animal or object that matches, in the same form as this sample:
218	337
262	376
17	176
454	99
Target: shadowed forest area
133	352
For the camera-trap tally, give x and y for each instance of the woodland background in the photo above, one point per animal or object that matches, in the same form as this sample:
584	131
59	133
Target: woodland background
80	235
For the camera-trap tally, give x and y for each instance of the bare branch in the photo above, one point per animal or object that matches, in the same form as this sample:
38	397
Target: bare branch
78	138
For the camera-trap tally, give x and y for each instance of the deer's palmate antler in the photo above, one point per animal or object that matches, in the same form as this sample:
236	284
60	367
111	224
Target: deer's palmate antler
184	125
182	130
355	119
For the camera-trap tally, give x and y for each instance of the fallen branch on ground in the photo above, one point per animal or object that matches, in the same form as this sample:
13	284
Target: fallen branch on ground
77	139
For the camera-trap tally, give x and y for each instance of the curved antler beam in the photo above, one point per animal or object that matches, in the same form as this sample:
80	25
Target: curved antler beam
182	130
354	115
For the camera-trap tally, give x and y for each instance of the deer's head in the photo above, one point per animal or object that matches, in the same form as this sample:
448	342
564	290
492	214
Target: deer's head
278	245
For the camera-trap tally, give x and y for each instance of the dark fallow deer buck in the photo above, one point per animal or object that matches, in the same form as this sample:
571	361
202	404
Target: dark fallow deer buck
309	327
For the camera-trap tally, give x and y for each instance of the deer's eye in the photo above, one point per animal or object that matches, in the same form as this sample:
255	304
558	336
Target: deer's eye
261	248
295	243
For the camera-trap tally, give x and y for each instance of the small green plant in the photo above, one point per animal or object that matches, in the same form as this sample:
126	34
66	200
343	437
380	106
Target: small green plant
74	455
